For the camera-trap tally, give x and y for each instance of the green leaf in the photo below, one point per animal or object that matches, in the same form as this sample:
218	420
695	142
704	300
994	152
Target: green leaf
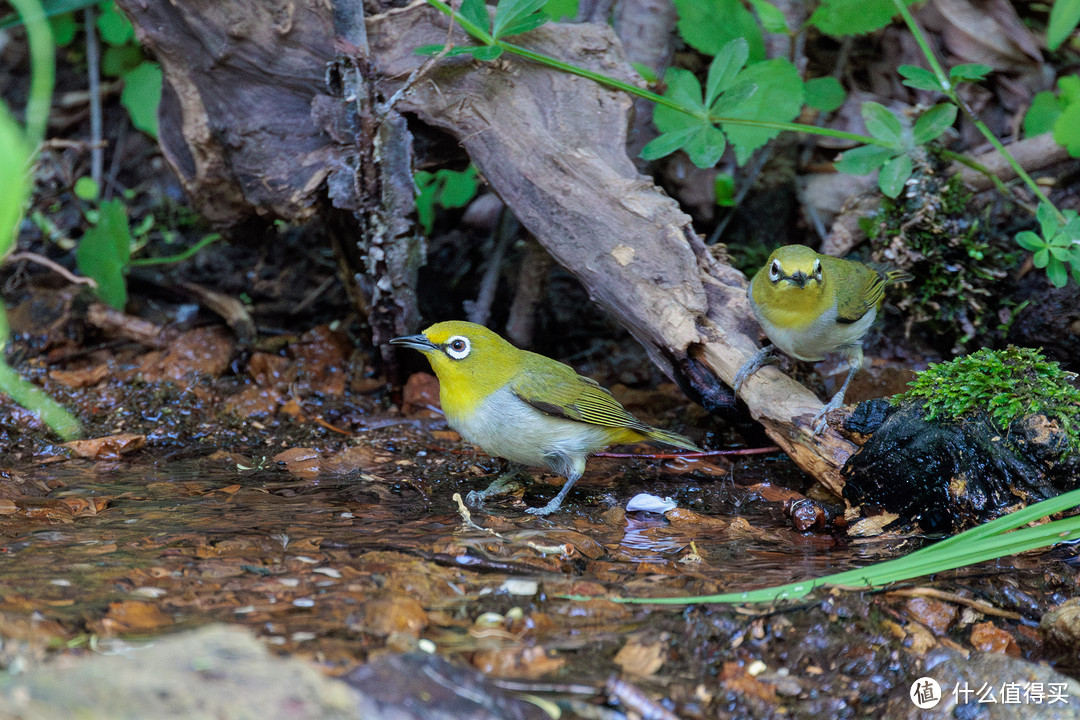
770	17
141	96
86	189
970	72
15	155
824	93
104	251
1069	89
724	189
733	99
709	25
1064	16
517	16
114	27
645	72
1041	257
1057	273
64	28
894	174
429	50
1029	241
1067	129
458	187
883	125
933	122
685	90
779	98
863	160
706	146
486	53
724	68
853	17
1042	114
117	60
666	143
919	78
476	12
1048	219
559	9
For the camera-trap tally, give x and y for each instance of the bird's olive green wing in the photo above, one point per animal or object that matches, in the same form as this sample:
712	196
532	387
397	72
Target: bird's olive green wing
862	291
556	389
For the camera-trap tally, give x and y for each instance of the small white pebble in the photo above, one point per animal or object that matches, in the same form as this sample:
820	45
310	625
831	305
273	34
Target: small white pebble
303	602
289	581
327	571
756	668
426	645
517	586
644	502
303	636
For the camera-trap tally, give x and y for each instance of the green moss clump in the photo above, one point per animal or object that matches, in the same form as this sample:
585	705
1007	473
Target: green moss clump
1006	384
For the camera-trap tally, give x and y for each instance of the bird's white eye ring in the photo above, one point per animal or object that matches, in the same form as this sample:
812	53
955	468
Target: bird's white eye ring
775	271
458	347
817	269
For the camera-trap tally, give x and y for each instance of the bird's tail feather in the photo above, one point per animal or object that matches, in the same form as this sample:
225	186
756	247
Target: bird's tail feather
670	438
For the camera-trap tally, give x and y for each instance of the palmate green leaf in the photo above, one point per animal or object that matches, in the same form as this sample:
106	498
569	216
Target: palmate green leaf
476	12
1067	129
1064	16
933	122
893	175
824	93
705	146
919	78
667	143
1048	219
114	27
778	98
709	25
970	72
1041	257
724	68
559	9
863	160
1069	89
1042	114
730	101
513	17
684	89
15	155
1057	273
142	95
883	125
1029	241
486	53
104	252
853	17
770	17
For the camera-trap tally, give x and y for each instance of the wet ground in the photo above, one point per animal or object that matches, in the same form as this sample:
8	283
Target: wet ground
358	551
288	490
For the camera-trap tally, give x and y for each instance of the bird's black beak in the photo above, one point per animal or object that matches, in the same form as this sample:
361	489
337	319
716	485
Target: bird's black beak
416	342
797	278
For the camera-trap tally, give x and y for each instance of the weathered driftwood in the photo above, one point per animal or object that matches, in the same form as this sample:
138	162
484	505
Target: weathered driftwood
552	145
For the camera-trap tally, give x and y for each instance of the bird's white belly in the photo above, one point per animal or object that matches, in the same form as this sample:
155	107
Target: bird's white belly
506	426
812	342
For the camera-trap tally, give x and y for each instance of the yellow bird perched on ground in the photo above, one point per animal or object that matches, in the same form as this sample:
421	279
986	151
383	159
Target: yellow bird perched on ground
811	304
525	407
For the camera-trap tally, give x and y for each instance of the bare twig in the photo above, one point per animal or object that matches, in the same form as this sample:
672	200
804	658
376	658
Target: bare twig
55	267
479	310
93	70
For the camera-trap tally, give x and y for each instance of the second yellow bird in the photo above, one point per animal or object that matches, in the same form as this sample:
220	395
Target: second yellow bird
525	407
810	305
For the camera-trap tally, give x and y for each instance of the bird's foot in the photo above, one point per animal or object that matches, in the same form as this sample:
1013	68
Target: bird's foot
546	510
820	420
504	483
758	360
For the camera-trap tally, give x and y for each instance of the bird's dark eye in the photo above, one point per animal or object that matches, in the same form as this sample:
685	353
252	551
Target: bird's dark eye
457	347
817	269
775	272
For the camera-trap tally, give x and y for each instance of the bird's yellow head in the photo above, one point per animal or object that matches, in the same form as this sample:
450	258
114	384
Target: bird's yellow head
471	361
791	278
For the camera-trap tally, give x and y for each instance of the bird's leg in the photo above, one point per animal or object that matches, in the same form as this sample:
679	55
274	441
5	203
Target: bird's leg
506	482
570	467
759	359
854	355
